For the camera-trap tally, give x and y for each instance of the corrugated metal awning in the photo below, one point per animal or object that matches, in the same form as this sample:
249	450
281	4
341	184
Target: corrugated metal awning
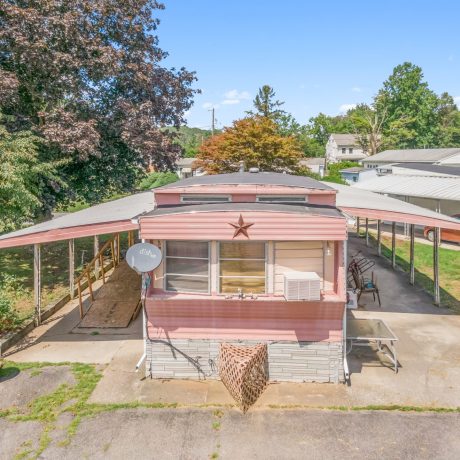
438	188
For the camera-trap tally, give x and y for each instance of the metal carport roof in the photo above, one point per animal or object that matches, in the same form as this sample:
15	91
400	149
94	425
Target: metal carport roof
116	216
111	217
438	188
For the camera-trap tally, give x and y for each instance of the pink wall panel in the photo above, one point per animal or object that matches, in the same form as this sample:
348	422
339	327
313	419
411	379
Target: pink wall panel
244	193
247	319
275	226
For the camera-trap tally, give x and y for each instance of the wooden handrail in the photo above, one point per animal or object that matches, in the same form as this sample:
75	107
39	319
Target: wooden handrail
98	258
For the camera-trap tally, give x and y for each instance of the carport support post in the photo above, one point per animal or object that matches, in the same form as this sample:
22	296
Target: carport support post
393	244
379	237
411	254
37	284
358	226
437	297
367	231
96	250
72	268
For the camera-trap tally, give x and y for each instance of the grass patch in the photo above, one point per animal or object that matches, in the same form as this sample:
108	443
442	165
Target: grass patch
383	408
449	267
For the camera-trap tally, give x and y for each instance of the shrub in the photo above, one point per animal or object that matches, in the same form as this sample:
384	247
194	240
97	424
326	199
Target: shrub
9	319
157	179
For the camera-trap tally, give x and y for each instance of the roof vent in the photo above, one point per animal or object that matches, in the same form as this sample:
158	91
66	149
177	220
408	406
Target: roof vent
254	170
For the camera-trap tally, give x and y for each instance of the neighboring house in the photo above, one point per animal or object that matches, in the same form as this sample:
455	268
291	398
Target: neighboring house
185	168
316	165
344	147
357	174
383	160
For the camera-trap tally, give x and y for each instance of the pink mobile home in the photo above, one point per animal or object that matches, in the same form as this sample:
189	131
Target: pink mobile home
247	258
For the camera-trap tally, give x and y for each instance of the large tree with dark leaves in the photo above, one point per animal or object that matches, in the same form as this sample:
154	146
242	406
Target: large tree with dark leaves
86	76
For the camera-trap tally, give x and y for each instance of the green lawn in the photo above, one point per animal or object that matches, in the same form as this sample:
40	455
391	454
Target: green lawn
16	271
449	268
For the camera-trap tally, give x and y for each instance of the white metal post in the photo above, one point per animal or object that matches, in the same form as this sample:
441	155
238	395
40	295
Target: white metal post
72	268
411	255
437	296
393	244
37	283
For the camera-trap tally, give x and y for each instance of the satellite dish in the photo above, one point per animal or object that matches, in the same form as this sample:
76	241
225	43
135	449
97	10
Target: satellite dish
143	257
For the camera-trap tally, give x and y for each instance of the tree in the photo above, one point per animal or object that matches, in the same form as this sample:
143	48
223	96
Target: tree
368	126
322	126
288	126
410	108
265	104
87	79
255	141
23	177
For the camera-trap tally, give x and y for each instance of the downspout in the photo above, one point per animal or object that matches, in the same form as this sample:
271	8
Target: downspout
346	371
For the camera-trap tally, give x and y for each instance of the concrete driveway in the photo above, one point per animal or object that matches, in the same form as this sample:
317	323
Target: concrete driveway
276	434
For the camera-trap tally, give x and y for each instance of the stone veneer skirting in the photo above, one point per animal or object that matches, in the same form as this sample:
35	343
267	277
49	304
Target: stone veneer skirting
288	361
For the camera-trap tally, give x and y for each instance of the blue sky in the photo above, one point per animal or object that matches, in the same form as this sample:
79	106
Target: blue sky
319	56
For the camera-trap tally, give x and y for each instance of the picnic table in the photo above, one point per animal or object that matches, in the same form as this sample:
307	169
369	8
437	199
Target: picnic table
363	332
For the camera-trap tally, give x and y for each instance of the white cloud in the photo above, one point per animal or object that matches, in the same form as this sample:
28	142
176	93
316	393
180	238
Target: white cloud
235	94
344	108
457	100
210	105
230	101
356	89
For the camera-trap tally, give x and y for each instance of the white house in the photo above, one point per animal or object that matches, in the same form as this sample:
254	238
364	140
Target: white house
185	168
344	147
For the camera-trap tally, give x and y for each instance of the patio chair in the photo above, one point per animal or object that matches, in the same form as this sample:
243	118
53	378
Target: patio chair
365	285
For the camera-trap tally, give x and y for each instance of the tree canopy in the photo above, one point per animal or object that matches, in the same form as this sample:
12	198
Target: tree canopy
265	104
86	78
256	141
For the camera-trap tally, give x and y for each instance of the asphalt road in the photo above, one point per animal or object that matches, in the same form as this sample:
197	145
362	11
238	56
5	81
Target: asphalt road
261	434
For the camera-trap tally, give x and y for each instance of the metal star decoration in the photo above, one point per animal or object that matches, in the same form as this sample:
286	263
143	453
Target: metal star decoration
241	227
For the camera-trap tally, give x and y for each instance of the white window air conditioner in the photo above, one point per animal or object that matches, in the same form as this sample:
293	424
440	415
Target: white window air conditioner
302	286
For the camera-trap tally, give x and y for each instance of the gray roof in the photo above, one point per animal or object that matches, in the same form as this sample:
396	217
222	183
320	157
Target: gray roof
247	178
346	139
185	162
354	197
312	161
435	187
112	211
412	155
428	167
329	211
354	169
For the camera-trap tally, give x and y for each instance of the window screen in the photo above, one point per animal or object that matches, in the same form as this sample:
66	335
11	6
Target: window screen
187	266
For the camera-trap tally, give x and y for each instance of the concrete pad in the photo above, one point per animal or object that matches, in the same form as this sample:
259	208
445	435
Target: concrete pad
18	437
19	389
57	340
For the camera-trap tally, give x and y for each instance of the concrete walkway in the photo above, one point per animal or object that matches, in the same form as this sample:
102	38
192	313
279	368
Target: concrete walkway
428	353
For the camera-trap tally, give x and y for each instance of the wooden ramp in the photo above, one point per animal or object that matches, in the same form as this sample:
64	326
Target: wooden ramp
116	302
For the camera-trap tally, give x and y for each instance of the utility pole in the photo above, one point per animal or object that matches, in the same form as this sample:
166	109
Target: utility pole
213	123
